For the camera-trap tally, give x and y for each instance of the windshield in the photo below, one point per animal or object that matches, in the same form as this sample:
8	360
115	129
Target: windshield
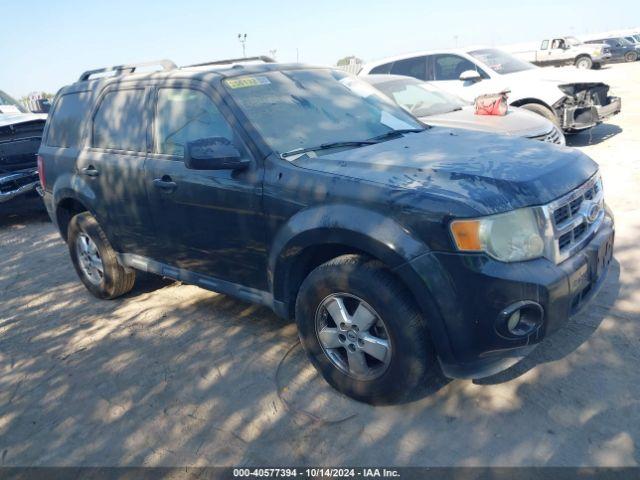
298	109
419	98
11	106
501	62
624	41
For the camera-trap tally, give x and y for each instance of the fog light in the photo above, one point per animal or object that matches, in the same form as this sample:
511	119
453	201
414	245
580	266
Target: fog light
514	320
520	319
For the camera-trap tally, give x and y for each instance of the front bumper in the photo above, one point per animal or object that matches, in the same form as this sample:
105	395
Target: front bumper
18	183
477	290
576	118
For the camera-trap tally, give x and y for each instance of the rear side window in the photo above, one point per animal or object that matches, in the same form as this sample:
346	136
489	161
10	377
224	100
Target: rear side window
184	115
119	123
65	126
415	67
545	45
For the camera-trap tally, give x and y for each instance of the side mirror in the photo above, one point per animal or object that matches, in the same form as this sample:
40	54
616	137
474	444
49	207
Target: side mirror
215	153
470	76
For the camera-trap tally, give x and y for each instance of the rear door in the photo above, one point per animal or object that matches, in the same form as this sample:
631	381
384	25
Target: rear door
113	165
207	221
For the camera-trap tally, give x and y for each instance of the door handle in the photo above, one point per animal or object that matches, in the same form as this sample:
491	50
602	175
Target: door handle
165	183
90	171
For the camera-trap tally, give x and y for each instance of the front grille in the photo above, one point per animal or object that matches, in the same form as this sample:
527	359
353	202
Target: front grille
553	136
575	217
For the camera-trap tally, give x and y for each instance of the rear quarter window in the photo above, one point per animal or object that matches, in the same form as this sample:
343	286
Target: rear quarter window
68	119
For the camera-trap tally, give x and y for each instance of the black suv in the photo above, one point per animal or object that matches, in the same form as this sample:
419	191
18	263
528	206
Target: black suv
400	249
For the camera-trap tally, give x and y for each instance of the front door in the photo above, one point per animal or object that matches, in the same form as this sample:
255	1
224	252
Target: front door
207	221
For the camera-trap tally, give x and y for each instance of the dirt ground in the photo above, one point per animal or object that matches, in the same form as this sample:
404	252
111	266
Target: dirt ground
172	375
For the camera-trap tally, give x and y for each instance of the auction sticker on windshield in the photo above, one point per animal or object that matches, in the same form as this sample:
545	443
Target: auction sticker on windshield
245	82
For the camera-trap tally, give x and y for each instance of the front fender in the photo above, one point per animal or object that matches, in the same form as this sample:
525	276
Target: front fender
351	226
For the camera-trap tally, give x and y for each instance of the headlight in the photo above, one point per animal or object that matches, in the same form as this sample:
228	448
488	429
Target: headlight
597	51
509	237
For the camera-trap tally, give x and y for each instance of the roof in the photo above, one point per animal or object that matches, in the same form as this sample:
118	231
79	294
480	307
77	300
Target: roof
458	51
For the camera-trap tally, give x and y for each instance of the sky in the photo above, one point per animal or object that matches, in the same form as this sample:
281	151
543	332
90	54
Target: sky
45	45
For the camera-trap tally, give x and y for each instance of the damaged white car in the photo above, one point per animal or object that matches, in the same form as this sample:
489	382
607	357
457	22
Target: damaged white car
574	100
20	136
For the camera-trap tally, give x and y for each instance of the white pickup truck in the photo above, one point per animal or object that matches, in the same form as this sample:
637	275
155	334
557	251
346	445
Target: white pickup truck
564	51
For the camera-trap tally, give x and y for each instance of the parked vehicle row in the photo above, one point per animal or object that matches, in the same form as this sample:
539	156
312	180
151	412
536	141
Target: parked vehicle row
621	49
569	99
20	136
400	248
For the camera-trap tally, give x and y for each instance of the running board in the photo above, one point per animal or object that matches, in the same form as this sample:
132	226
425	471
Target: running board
248	294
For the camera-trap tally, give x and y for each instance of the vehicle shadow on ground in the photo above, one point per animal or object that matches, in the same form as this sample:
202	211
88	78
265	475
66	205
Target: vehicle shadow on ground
593	136
23	210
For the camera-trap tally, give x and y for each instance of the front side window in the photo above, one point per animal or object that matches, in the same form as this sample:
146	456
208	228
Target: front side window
184	115
415	67
450	67
294	109
501	62
67	120
119	123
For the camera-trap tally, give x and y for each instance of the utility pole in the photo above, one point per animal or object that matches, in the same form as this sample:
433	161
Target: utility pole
242	38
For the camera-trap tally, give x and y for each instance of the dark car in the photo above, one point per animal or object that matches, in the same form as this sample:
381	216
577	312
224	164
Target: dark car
621	49
398	248
20	135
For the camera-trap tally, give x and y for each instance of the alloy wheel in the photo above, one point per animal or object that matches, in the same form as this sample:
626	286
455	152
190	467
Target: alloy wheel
89	259
353	336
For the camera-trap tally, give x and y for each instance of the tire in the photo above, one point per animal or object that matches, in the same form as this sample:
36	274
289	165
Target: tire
584	62
542	110
89	247
365	283
630	57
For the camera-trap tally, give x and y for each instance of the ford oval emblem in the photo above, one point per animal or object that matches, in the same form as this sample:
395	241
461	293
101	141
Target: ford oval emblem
592	211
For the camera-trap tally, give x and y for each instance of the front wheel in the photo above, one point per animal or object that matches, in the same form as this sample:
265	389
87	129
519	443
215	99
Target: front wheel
584	63
542	110
363	332
631	57
95	260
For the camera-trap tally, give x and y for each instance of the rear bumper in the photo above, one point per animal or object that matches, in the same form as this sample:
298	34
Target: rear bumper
576	118
18	183
481	290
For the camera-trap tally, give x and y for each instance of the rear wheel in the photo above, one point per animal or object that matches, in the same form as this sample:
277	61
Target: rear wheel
363	332
631	57
584	62
542	110
95	260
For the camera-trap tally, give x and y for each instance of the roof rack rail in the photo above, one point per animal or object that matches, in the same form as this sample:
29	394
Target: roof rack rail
262	58
127	69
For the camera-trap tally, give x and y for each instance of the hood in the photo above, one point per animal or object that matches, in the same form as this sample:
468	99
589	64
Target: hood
557	75
490	173
16	118
517	122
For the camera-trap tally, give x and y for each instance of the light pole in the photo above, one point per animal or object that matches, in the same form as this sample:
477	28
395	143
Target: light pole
242	38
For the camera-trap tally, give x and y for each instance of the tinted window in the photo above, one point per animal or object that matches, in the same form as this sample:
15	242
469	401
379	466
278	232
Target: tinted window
184	115
65	127
449	67
386	68
411	67
119	123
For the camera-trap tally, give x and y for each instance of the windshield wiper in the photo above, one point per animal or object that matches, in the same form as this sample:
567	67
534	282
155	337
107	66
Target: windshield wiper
327	146
395	133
